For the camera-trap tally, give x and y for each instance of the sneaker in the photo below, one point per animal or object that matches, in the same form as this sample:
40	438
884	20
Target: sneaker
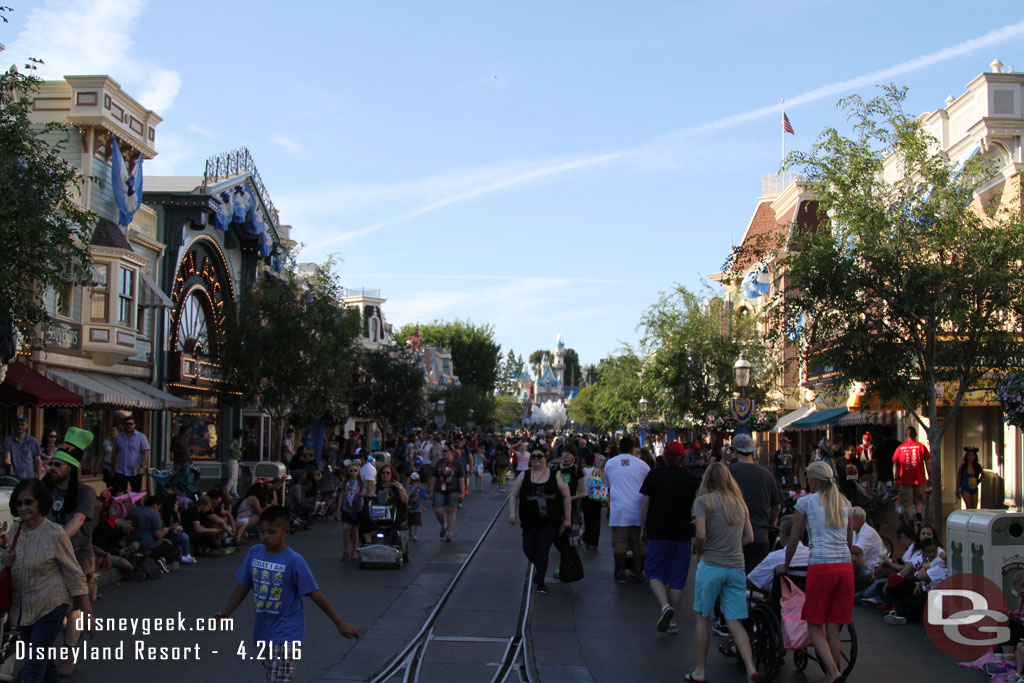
443	530
174	566
636	576
448	538
188	559
894	619
667	614
163	566
620	579
673	628
872	600
230	551
542	588
720	629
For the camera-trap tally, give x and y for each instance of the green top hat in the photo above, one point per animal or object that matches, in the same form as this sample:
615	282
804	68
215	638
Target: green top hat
76	441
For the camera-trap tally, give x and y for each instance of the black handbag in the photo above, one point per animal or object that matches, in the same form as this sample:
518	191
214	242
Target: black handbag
570	568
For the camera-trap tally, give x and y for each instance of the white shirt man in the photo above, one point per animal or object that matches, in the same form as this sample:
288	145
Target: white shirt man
763	574
625	474
872	550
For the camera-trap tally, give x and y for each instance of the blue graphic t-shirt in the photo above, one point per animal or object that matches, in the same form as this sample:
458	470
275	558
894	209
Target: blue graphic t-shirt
278	583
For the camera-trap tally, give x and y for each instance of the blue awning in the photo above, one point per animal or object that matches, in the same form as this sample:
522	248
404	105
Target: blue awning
820	418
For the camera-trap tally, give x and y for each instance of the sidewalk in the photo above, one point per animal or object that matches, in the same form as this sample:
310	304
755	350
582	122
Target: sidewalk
596	631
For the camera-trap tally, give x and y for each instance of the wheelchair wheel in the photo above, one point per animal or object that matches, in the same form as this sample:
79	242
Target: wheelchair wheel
765	640
848	650
800	659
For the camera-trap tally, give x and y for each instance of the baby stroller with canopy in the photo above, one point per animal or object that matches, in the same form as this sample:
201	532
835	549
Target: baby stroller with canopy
183	483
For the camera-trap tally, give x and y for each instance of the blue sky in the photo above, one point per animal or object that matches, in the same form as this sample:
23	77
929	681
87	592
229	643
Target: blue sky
538	166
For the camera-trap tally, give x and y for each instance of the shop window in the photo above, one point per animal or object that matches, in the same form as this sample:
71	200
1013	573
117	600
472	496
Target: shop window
62	305
98	298
126	297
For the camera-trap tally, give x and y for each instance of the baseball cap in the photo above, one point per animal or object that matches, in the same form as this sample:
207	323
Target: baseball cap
743	443
20	418
675	448
414	476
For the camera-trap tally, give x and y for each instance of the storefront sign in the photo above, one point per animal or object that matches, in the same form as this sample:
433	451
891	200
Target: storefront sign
64	335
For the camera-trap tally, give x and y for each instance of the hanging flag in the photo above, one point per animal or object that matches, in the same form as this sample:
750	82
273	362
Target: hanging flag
127	186
786	125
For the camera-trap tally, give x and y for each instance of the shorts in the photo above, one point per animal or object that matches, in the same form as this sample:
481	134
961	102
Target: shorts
626	538
478	469
726	583
277	668
348	517
829	594
243	520
911	494
446	499
416	518
668	562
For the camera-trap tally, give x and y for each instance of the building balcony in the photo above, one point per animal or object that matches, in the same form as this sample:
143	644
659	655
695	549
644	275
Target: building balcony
108	344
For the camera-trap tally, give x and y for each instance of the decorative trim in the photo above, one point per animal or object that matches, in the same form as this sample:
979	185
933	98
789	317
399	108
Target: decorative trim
102	336
86	99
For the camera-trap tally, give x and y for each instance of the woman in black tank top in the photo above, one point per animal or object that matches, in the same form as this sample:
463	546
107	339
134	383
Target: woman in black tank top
541	499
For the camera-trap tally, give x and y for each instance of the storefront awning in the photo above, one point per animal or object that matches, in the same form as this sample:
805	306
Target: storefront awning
25	387
150	295
99	389
820	418
868	417
167	400
789	418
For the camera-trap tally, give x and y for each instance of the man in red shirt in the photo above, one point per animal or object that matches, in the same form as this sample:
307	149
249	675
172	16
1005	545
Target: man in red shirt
911	469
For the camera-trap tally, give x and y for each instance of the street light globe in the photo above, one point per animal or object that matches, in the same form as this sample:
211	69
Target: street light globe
439	406
643	404
742	371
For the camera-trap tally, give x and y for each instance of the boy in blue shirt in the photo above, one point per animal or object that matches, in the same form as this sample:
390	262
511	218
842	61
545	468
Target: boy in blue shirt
279	578
417	492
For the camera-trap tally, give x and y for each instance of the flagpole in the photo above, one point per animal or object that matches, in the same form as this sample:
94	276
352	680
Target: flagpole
783	122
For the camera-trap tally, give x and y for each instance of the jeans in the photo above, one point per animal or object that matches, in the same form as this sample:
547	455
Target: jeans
181	541
43	633
121	482
233	478
537	542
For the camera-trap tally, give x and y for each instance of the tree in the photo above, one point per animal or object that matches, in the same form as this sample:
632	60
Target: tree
537	359
507	411
613	402
573	371
475	354
693	344
508	377
46	233
913	283
581	409
389	389
462	401
290	347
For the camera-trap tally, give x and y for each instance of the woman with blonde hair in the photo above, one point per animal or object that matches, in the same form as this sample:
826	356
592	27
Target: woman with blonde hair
723	527
829	591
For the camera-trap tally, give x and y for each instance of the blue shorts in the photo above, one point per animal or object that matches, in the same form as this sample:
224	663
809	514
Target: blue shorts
713	583
446	499
668	562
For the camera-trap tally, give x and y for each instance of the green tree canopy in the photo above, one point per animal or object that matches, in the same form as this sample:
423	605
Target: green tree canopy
46	234
613	402
389	389
912	281
537	359
573	371
475	354
507	411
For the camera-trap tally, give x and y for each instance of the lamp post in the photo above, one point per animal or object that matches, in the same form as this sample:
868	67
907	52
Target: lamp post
742	407
439	418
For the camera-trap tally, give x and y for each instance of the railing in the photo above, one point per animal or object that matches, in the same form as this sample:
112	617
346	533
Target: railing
232	163
775	183
362	291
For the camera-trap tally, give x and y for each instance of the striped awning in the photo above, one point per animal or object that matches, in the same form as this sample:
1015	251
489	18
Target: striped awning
868	417
166	400
99	389
789	418
150	294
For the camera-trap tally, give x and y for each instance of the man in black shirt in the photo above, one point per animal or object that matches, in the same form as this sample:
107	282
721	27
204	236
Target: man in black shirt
665	512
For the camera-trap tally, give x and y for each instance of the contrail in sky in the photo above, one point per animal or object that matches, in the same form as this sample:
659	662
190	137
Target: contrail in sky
966	47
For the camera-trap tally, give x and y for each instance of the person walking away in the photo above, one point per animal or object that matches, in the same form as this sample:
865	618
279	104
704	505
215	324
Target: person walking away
45	577
785	463
625	474
828	604
446	484
131	460
967	478
501	462
761	493
417	492
722	529
592	506
668	495
541	498
280	578
234	458
73	507
478	468
22	455
181	455
911	472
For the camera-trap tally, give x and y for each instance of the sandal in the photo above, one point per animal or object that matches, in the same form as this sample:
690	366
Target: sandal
692	679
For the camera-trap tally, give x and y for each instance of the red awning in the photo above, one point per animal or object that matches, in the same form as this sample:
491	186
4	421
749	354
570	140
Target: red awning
27	387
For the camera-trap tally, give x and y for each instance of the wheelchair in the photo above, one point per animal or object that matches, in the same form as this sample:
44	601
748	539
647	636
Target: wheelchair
764	626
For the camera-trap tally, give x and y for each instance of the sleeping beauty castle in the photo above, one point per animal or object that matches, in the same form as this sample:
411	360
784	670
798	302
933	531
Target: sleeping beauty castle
550	386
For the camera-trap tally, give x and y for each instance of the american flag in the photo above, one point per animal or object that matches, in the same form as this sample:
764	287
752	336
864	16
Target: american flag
786	125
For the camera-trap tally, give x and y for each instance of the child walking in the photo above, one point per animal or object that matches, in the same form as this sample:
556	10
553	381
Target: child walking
478	467
279	578
417	492
351	505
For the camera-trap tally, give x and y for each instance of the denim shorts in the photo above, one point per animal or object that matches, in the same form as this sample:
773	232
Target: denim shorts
446	499
727	583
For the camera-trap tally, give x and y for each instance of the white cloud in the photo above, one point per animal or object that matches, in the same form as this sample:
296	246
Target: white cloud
172	152
290	146
656	151
75	37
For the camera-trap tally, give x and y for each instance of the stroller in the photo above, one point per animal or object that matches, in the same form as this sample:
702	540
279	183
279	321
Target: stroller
185	484
387	546
328	493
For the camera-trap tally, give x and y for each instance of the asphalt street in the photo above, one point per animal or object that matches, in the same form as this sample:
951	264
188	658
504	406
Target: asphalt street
593	630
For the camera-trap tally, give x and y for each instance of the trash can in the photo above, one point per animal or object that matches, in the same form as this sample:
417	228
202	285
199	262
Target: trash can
993	547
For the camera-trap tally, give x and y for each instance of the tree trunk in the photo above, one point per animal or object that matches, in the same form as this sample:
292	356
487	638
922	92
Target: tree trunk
933	512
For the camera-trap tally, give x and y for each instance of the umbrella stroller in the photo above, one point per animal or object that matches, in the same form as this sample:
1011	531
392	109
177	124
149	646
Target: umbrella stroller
183	483
328	493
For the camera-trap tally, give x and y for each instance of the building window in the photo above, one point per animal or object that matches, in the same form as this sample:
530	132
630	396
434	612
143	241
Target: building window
62	305
126	297
98	298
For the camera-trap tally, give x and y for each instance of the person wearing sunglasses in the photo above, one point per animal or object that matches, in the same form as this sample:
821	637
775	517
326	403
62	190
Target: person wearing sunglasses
45	577
131	460
541	499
